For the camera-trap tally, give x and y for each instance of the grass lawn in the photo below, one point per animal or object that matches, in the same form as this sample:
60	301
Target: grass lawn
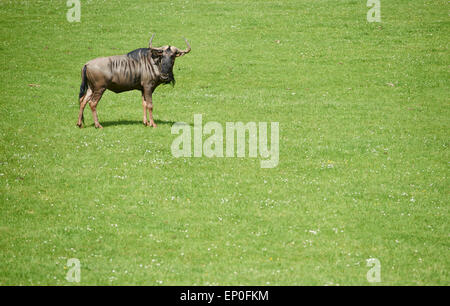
364	117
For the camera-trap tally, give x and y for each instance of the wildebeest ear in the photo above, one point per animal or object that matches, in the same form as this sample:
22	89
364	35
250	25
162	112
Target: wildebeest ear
157	52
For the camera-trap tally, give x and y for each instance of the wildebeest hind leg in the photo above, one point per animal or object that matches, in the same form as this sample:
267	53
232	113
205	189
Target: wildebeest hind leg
83	101
96	96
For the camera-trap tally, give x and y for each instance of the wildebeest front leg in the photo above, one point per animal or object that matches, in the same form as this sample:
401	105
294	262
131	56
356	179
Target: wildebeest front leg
96	96
144	107
149	105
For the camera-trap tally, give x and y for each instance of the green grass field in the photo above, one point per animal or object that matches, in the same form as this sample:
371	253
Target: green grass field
364	119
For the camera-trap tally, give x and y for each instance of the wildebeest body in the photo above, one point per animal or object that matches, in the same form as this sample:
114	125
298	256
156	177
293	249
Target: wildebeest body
142	69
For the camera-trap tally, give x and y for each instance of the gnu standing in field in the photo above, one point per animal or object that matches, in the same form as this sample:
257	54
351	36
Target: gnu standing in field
142	69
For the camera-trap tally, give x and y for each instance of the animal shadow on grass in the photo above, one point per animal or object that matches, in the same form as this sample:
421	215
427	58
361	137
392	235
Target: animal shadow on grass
133	122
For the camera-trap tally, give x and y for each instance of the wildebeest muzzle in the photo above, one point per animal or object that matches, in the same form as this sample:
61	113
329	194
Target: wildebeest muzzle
167	71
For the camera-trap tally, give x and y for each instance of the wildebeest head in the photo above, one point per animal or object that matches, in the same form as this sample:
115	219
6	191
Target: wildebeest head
167	55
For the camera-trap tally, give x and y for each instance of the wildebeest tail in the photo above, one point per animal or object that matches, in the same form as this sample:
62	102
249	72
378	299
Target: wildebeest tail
84	85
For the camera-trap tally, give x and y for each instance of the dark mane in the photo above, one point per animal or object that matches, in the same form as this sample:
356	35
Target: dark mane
138	53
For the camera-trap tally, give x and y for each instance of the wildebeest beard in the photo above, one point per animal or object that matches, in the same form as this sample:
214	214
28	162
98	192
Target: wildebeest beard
167	72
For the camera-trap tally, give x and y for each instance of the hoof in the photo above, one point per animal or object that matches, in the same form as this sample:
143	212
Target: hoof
150	124
79	125
99	127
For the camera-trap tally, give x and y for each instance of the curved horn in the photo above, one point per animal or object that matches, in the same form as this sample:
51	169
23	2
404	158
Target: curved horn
153	48
150	43
183	52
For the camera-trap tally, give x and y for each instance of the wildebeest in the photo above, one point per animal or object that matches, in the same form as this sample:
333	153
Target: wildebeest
142	69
